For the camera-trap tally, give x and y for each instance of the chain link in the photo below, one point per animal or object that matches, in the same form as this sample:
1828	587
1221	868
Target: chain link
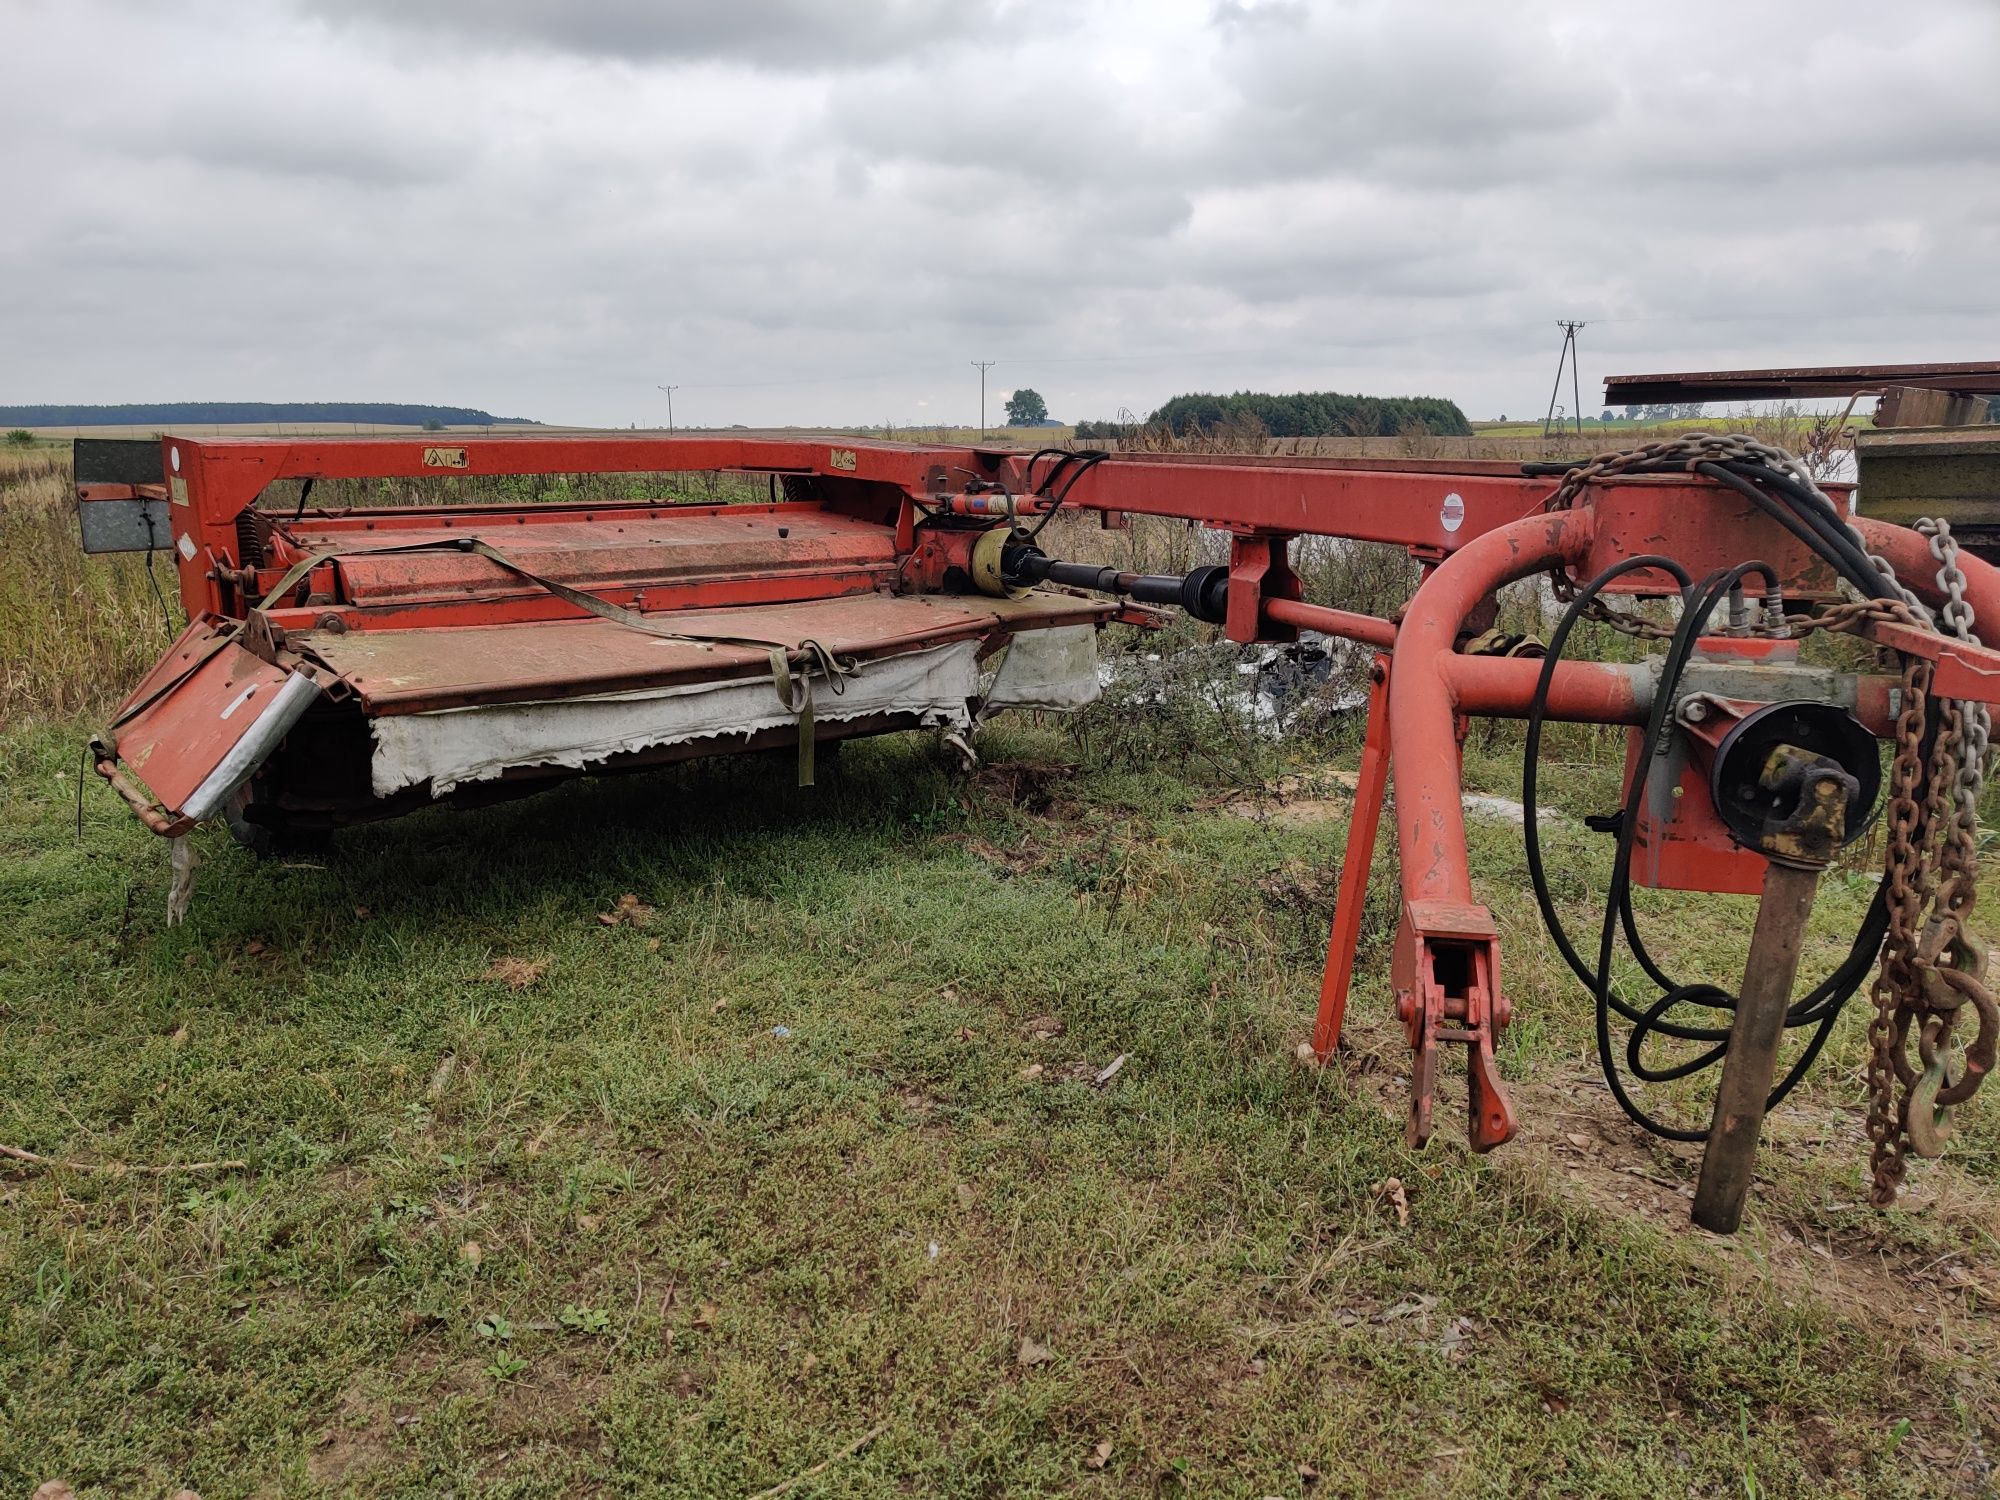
1683	450
1932	968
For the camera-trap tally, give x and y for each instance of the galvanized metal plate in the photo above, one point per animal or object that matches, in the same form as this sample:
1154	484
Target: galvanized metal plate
125	525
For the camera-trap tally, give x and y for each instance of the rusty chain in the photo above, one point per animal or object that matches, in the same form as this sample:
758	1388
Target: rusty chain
1932	967
1683	450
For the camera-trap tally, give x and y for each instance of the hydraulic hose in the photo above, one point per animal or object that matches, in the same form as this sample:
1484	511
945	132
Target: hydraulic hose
1818	1009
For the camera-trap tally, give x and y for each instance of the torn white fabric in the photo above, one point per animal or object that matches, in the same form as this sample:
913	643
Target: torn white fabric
180	889
453	746
1053	669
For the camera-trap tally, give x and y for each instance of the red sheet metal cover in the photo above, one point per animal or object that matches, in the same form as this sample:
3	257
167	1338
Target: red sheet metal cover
178	740
416	671
611	551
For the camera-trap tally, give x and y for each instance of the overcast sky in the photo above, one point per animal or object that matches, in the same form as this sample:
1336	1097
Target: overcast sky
822	210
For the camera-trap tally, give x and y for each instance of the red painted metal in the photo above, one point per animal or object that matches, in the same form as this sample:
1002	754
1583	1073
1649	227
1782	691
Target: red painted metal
1421	505
824	553
1446	970
424	670
1581	692
1260	570
1366	816
1368	629
1631	520
1430	817
1447	959
174	739
879	559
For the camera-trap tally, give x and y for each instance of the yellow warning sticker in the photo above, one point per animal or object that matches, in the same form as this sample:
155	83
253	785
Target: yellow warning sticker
445	458
842	458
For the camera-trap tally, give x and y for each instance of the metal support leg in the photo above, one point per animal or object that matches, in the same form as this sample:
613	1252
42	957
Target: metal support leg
1353	898
1752	1060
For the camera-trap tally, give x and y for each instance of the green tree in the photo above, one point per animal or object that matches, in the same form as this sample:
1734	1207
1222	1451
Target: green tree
1026	406
1318	414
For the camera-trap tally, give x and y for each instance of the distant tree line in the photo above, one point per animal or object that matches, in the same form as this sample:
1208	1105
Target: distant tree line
1319	414
216	413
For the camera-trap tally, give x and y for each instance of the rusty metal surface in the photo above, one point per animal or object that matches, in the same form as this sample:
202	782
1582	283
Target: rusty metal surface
1715	535
1967	377
1952	473
605	554
414	671
1751	1061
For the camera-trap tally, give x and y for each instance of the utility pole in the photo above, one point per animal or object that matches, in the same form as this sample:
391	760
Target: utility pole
670	389
1568	356
982	365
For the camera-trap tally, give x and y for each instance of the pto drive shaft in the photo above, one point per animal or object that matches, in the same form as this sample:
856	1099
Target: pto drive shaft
1203	593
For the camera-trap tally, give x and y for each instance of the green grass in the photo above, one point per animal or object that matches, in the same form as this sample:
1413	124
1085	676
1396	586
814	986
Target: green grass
611	1234
704	1248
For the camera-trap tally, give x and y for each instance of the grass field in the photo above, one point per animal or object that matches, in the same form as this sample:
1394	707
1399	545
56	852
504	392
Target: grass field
668	1135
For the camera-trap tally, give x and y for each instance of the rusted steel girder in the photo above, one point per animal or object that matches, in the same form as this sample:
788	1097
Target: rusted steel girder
1967	377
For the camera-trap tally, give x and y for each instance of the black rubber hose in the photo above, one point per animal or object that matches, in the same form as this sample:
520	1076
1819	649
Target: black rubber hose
1819	1008
1828	535
1825	520
1807	520
1712	592
1531	751
1074	464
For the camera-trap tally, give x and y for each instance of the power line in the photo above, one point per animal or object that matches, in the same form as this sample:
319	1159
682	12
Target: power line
1567	356
670	389
982	365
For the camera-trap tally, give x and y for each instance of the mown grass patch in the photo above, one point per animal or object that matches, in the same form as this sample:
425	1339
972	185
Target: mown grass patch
711	1194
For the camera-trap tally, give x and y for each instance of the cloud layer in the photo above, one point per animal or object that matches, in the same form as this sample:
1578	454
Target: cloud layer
822	210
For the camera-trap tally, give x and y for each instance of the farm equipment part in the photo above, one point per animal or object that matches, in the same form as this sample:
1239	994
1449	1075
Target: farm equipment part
350	664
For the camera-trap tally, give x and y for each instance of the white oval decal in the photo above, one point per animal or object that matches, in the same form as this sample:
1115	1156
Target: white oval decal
1453	515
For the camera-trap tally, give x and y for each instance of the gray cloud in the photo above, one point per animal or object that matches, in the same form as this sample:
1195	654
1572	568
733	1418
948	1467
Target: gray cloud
812	35
821	212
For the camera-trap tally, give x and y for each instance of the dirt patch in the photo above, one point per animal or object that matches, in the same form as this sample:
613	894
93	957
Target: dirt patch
552	1401
364	1439
1301	801
1024	857
1032	787
1574	1139
1311	798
